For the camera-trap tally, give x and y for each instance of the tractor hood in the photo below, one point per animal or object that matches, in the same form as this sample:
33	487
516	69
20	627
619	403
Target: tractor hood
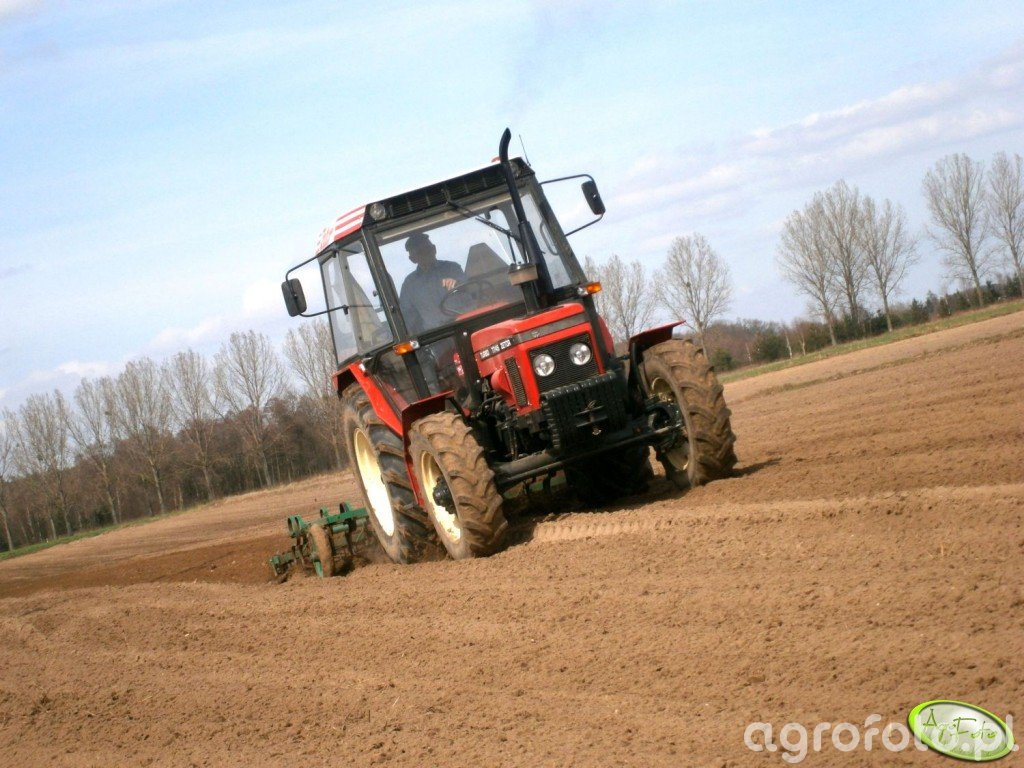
509	333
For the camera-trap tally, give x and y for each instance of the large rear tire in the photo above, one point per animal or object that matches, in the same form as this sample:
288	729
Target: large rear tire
461	498
679	371
611	475
377	457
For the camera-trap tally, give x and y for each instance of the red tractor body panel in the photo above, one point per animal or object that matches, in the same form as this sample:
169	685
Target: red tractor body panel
494	334
505	347
652	336
373	389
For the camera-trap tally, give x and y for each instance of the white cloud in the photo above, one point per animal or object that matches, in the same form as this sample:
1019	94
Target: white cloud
713	181
262	298
391	33
14	271
823	146
171	340
10	9
262	306
64	377
86	369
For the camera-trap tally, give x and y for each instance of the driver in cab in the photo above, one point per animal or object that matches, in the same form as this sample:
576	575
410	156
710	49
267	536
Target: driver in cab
425	288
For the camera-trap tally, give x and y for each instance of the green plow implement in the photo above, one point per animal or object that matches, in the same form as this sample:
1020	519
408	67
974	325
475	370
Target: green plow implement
326	545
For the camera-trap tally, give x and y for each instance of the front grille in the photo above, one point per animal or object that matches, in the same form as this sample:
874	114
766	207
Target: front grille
516	379
585	410
565	371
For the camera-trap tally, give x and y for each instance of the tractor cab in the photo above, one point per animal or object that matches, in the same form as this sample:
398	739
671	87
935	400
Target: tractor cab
413	282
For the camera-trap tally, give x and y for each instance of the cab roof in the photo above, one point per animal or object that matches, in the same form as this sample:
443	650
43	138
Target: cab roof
419	199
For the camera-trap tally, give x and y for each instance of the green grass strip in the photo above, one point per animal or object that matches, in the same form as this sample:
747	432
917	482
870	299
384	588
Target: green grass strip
908	332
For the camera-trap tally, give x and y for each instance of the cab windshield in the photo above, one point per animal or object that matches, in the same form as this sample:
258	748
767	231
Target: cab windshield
456	263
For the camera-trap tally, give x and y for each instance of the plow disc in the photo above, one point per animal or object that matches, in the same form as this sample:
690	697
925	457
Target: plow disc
326	546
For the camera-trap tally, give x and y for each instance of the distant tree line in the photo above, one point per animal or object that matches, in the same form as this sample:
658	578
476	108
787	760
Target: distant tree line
160	437
843	250
737	343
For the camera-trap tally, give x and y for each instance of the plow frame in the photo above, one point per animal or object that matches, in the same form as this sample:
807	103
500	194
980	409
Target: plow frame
348	525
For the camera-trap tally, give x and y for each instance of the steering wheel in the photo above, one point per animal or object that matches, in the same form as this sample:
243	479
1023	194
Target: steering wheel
477	289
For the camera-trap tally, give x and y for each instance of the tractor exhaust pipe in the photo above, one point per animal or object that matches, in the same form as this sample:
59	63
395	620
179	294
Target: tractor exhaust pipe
537	293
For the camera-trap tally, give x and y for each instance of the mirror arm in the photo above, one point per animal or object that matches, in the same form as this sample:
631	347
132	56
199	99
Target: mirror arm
589	178
288	274
586	176
344	308
588	224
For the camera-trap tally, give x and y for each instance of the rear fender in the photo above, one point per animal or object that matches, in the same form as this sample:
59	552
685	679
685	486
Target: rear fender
639	344
356	373
343	378
412	414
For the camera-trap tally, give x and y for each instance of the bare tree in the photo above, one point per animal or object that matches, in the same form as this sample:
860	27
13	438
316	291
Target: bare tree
43	453
888	248
142	416
310	352
840	218
1006	209
805	261
7	427
695	282
92	428
626	301
248	376
955	192
193	398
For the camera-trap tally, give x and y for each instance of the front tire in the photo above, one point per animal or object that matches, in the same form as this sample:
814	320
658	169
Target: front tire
679	371
377	457
461	498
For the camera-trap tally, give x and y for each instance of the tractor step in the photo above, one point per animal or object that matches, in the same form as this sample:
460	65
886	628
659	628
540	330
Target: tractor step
326	545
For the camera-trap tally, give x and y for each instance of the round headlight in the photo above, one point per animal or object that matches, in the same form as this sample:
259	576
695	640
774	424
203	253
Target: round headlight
543	364
377	212
580	354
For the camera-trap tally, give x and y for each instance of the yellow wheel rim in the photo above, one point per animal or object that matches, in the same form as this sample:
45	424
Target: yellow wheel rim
376	491
431	473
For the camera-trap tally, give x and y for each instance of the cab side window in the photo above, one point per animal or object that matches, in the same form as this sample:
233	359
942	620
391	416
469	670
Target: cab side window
359	324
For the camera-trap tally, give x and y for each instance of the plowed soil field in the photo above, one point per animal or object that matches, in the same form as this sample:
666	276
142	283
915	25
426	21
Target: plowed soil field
868	556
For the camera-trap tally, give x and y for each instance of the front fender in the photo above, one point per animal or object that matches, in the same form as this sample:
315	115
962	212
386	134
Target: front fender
652	336
641	342
410	415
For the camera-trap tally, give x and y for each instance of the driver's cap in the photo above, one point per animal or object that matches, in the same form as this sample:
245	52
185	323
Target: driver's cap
417	241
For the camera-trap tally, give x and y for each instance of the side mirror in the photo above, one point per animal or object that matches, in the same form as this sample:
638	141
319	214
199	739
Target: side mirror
294	297
593	197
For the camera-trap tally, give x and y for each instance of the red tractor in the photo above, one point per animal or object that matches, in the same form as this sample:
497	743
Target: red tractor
472	360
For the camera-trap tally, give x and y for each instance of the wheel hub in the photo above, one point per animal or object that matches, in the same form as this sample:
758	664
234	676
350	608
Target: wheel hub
441	501
679	452
443	495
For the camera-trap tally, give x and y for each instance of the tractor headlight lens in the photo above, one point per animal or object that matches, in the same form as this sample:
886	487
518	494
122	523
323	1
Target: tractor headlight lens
580	354
543	364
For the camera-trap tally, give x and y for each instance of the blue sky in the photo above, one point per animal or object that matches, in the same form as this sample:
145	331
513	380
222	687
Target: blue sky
163	163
